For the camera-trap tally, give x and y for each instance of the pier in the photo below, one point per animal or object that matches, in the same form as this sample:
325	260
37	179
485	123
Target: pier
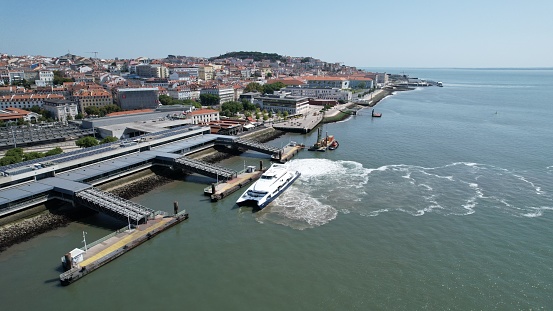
114	245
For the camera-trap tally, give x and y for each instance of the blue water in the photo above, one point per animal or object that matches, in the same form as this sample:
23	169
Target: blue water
445	202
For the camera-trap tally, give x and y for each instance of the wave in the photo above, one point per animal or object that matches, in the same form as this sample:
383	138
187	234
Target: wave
328	188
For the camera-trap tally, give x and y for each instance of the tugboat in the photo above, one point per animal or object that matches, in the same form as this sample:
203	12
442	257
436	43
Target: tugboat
322	143
376	114
333	145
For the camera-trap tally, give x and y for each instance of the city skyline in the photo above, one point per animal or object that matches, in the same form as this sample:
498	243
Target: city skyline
357	33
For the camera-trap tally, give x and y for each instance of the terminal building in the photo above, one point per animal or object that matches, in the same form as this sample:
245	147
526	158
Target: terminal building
137	98
282	101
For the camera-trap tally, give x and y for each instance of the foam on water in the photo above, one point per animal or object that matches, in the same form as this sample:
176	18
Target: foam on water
327	188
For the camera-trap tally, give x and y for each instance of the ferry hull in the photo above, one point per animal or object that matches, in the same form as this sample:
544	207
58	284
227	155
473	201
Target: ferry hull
264	201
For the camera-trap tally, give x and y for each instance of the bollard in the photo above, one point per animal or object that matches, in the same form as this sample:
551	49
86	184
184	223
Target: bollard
260	165
213	188
176	207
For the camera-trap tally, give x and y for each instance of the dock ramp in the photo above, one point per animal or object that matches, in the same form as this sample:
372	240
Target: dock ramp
251	145
204	168
113	205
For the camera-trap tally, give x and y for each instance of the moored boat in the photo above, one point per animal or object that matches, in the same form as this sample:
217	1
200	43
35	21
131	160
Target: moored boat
268	187
376	114
333	145
322	143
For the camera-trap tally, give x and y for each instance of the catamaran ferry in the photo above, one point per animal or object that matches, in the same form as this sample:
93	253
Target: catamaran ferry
271	184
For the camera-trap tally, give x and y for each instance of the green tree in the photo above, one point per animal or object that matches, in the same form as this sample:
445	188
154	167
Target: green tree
209	100
92	110
16	153
285	114
268	75
54	151
87	141
270	88
108	139
253	87
233	107
79	116
59	78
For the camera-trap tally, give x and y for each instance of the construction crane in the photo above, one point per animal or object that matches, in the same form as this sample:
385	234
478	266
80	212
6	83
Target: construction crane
95	54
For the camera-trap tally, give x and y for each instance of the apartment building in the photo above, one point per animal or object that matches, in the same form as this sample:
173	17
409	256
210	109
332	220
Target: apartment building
26	101
92	98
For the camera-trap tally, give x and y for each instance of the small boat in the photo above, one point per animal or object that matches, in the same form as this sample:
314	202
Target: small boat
376	114
322	143
440	84
333	145
267	188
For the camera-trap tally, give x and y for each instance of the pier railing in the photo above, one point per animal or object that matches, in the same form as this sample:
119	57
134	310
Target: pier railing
90	245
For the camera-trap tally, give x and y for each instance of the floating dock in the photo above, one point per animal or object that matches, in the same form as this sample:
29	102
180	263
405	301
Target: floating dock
221	190
114	245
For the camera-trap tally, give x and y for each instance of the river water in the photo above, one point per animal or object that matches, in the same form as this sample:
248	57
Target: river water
443	203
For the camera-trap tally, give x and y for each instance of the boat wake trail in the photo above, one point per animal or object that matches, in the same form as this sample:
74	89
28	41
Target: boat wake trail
327	188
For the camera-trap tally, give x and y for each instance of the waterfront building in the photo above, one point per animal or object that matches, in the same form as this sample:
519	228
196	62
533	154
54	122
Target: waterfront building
61	109
319	93
327	82
283	102
137	98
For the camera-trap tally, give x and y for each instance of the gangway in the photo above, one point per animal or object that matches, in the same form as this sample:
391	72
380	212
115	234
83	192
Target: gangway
250	145
204	168
113	205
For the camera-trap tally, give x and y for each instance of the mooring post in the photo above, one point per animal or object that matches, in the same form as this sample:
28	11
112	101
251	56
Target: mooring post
260	165
212	188
176	207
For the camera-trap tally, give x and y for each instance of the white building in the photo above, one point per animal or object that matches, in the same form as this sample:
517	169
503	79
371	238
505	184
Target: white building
203	116
327	82
62	110
180	93
319	93
284	102
226	94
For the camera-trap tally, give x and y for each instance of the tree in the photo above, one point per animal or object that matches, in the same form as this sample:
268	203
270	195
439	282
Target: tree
268	75
253	87
54	151
270	88
59	78
87	141
209	100
233	107
92	110
285	114
108	139
79	116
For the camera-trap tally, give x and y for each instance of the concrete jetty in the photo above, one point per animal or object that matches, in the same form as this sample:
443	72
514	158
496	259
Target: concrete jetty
109	248
218	191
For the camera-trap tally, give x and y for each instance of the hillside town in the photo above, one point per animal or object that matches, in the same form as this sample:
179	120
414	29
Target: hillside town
231	93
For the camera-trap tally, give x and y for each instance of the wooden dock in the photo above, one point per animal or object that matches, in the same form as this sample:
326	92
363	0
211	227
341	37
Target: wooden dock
117	244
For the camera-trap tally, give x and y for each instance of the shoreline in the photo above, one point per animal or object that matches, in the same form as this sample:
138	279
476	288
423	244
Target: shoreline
51	215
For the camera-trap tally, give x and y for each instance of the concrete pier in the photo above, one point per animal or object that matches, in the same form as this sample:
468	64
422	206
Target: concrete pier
223	189
117	244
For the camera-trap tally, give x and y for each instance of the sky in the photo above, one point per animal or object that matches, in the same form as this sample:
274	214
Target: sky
361	33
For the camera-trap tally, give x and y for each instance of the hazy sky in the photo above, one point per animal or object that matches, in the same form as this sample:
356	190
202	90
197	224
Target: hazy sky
361	33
